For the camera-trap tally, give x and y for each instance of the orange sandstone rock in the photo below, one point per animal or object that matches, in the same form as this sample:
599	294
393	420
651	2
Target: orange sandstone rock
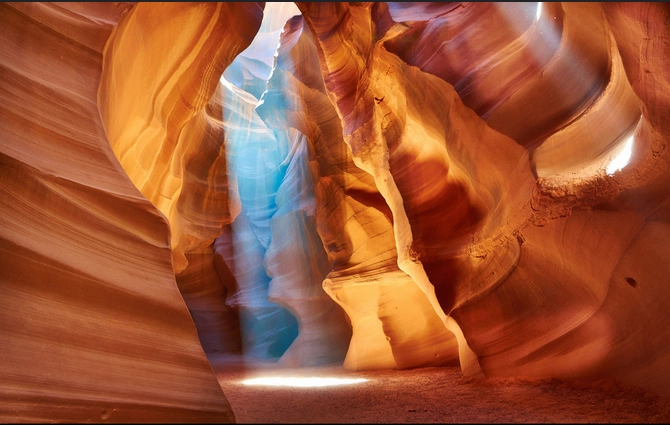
93	325
390	185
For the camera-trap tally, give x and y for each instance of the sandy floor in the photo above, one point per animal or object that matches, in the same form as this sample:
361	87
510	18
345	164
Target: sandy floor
430	395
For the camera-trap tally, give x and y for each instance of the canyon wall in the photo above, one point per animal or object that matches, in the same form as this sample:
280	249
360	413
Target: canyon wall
94	326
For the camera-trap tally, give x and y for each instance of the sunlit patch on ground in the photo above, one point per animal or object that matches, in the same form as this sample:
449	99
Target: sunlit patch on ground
302	382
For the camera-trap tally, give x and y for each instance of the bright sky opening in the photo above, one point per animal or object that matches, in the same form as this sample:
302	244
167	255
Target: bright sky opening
621	160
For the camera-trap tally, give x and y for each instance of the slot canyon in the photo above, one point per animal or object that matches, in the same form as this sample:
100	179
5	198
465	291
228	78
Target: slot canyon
473	191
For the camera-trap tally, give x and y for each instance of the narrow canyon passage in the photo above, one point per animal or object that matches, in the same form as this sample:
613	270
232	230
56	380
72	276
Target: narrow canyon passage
428	395
418	195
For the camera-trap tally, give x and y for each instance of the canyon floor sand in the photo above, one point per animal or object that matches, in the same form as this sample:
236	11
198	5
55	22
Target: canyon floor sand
430	395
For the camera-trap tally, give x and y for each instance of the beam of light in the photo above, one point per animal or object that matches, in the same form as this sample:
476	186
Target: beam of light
256	158
277	381
269	161
621	160
227	84
541	39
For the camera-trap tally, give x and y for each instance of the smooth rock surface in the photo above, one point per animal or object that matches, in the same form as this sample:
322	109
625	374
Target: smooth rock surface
93	325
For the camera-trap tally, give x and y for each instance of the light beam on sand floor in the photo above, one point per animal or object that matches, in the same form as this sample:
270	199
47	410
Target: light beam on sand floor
277	381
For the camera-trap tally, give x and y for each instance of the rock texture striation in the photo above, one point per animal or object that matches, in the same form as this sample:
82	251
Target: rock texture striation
93	325
379	185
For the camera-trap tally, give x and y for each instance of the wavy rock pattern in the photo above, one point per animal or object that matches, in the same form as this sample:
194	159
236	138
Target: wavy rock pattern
402	144
549	294
155	116
569	255
205	295
387	185
387	330
93	325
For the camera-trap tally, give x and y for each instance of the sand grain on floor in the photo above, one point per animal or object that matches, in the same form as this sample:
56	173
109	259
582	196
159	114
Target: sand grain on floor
430	395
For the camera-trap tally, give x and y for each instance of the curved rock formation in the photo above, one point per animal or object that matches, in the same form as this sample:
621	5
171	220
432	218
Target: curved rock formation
152	100
353	223
205	295
93	325
548	293
386	185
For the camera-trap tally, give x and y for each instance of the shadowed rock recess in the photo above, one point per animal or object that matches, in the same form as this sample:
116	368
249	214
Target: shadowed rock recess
375	185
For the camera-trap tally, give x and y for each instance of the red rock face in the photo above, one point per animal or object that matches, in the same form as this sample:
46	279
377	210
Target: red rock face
93	324
380	185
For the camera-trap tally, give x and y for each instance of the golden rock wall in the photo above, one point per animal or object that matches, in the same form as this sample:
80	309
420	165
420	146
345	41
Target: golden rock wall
93	324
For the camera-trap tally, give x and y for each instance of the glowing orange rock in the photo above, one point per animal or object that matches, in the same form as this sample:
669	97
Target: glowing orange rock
93	325
152	100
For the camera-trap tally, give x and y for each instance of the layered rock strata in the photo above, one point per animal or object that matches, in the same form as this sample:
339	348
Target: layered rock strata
353	222
575	108
93	325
